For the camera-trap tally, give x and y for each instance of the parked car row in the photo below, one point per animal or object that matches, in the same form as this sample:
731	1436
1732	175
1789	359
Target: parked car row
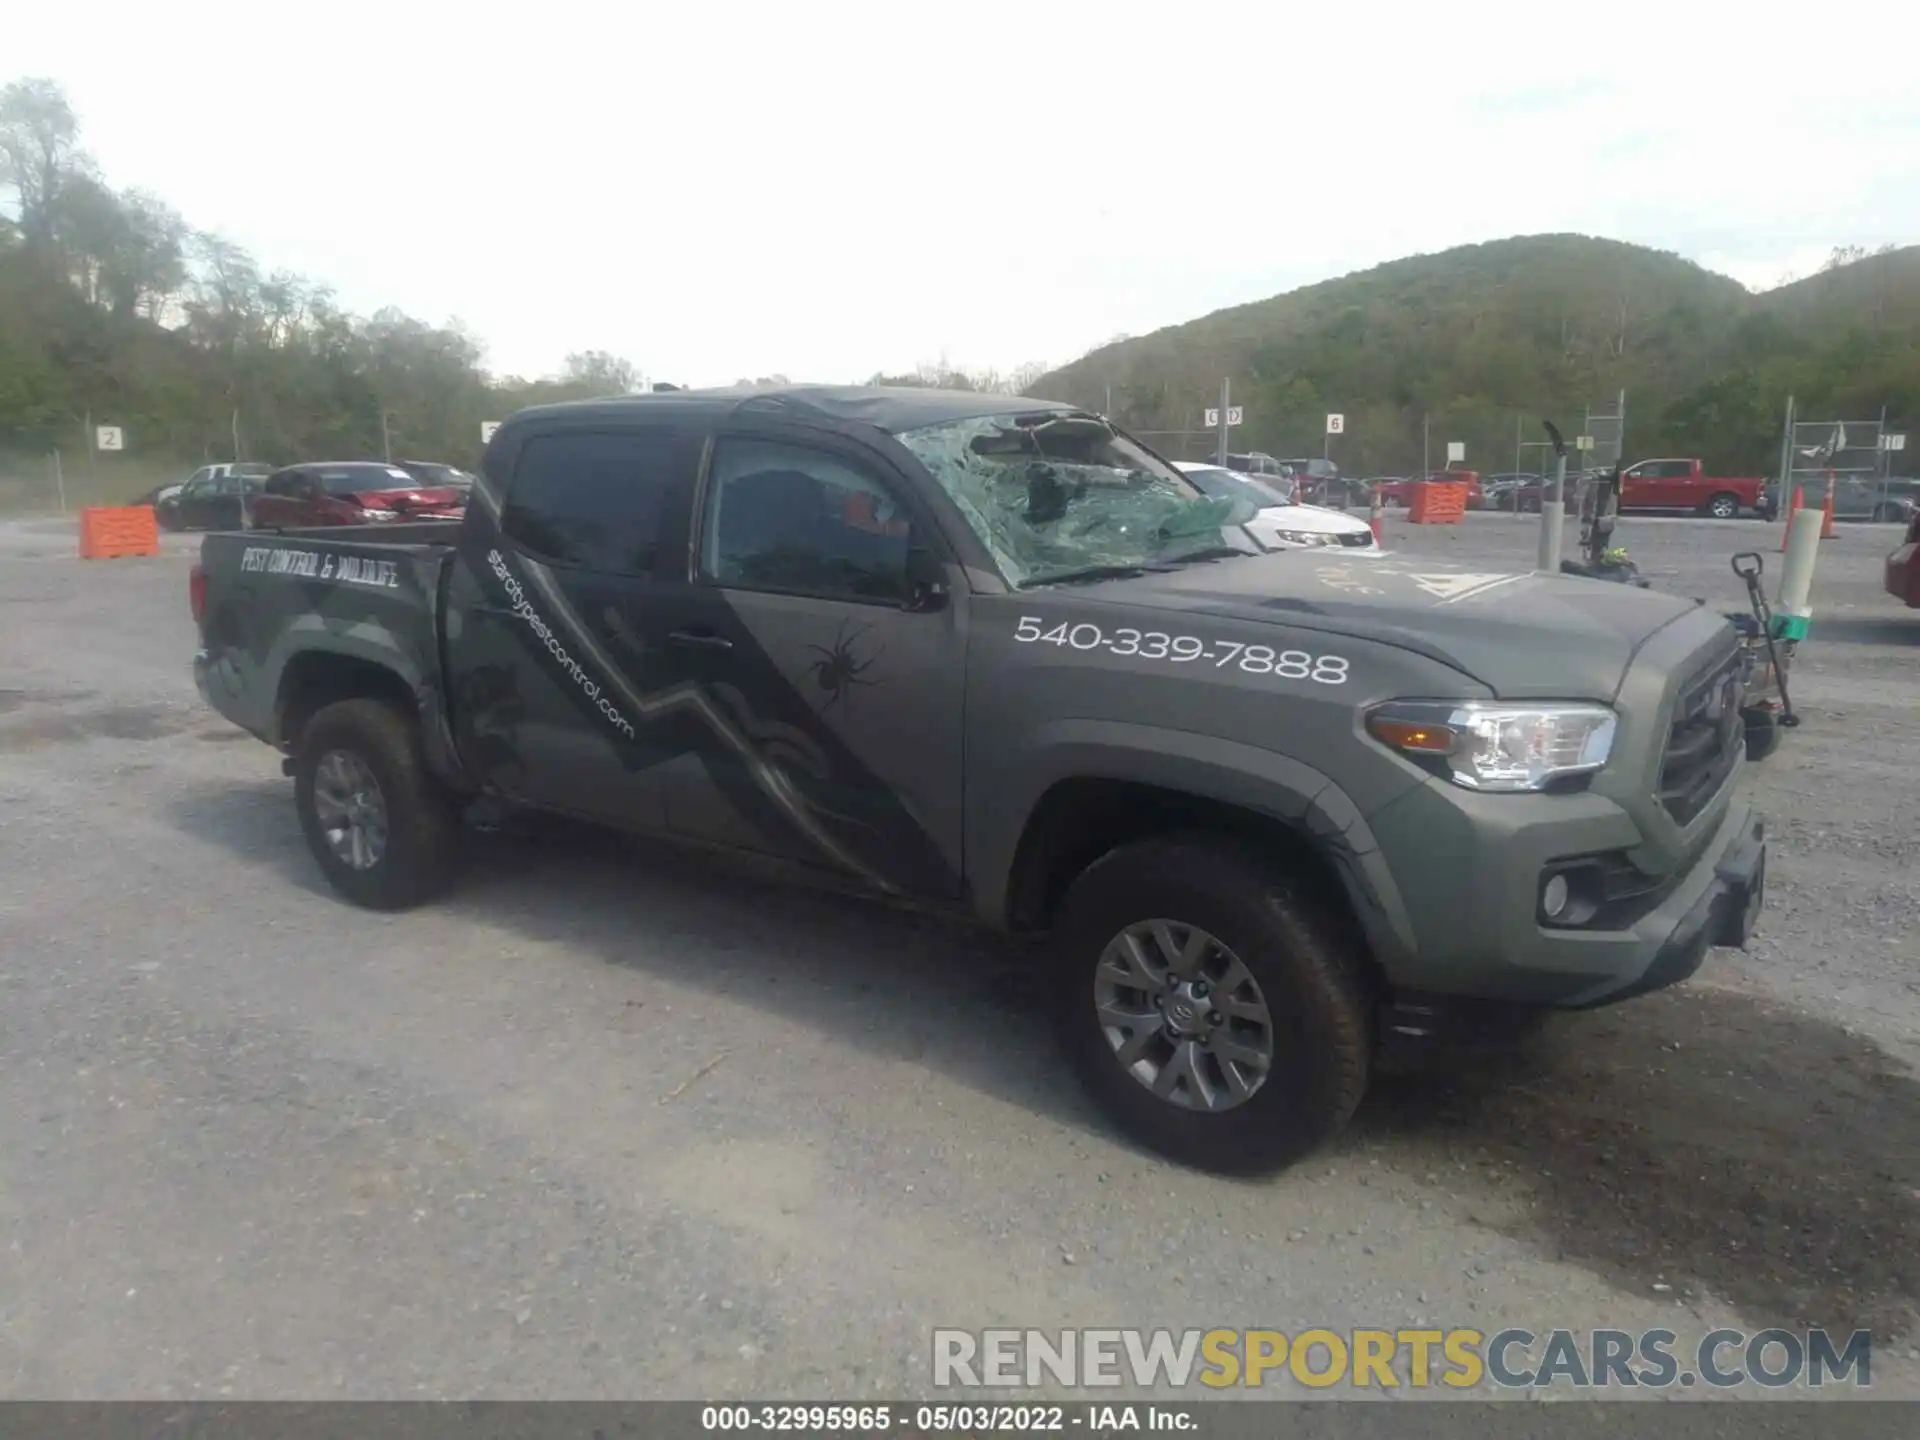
348	492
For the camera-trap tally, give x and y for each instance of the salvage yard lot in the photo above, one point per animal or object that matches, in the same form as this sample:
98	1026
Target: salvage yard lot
608	1123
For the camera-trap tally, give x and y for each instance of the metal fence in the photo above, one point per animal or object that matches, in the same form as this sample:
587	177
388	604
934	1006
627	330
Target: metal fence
1389	442
1850	458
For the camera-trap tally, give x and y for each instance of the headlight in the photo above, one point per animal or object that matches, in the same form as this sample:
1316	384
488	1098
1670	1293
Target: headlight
1487	746
1304	537
379	514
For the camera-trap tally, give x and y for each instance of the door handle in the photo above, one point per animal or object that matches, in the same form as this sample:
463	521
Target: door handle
699	640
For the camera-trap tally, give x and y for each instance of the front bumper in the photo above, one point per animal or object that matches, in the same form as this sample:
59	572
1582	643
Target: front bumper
1723	913
1469	869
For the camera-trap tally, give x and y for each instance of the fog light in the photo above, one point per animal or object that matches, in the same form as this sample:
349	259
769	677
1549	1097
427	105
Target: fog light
1553	897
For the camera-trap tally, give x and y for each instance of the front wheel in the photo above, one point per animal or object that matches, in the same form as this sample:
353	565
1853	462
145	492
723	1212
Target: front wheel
1723	507
1889	514
382	828
1213	1010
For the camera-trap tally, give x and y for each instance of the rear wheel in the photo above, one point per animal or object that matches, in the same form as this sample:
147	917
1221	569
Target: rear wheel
384	831
1889	514
1723	506
1212	1009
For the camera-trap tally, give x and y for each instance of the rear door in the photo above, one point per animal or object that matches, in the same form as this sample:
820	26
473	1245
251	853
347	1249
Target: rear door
829	711
562	699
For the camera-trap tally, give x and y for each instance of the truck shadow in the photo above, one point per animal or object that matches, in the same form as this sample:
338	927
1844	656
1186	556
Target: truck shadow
1702	1139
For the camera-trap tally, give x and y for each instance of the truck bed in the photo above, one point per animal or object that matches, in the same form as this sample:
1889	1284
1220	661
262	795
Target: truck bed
416	532
286	608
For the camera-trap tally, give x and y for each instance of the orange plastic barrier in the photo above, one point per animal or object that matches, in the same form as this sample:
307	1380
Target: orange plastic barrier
1437	502
108	532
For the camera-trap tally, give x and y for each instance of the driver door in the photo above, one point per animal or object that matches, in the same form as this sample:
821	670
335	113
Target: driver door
829	700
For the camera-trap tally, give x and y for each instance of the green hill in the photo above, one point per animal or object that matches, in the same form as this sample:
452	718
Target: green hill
1483	341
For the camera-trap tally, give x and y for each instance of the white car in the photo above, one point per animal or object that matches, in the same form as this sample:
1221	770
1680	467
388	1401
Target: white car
1282	523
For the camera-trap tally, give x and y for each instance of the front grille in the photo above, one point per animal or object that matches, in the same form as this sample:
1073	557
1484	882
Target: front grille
1358	538
1705	739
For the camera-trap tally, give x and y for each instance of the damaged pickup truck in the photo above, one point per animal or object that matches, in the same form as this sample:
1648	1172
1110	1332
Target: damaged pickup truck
1279	812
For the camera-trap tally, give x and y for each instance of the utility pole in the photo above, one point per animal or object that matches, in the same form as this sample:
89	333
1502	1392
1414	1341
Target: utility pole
1786	463
1426	436
386	436
1553	508
1226	399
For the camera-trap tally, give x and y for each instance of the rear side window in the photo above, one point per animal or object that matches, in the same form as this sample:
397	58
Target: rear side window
599	501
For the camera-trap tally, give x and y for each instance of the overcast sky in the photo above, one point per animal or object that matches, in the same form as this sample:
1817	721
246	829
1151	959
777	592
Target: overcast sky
825	190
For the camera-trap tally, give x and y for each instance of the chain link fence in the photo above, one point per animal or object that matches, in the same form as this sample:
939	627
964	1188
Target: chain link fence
1386	442
1850	457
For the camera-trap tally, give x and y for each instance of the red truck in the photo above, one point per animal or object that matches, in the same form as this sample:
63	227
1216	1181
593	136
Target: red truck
1903	568
1686	485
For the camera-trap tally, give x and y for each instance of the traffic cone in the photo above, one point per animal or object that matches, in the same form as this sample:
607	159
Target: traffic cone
1826	512
1377	519
1793	509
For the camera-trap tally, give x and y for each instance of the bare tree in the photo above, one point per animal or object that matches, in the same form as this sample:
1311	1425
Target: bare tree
39	150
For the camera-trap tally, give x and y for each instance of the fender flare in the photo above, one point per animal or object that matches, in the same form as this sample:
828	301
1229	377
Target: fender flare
314	635
1227	772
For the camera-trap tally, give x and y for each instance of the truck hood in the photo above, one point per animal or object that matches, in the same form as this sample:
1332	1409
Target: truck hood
1524	636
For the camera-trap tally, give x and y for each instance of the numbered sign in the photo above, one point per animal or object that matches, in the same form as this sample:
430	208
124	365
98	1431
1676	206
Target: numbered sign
108	437
487	427
1234	413
1336	424
1893	442
1456	451
1583	443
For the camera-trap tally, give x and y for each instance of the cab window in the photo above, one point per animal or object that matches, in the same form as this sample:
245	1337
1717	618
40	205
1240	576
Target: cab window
791	518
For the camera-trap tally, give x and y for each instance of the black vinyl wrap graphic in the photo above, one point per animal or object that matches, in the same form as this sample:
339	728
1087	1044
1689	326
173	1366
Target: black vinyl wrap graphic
765	745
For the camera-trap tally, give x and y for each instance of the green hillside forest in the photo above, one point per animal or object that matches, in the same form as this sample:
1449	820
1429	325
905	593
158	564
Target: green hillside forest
115	310
1480	343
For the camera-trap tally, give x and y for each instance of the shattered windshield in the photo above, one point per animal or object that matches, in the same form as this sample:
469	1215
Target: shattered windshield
1058	494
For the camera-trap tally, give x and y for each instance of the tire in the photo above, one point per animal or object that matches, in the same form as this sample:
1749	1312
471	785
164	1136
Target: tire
1763	733
1888	514
1307	971
1724	506
421	825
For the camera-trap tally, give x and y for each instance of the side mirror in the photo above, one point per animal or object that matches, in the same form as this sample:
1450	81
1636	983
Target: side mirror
926	581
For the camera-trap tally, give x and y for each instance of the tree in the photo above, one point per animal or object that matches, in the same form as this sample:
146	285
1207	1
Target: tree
600	373
39	150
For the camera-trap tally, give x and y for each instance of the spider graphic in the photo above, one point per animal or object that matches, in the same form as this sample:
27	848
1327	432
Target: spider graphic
836	671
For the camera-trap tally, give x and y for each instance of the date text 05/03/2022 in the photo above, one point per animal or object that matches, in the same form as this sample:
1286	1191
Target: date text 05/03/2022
965	1418
1186	650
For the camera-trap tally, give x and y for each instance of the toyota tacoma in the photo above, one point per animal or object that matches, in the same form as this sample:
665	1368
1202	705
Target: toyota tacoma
1280	812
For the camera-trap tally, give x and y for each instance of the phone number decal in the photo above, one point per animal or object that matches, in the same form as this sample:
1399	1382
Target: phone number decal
1186	650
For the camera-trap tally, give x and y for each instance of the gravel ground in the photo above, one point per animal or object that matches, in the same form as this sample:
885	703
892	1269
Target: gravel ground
607	1124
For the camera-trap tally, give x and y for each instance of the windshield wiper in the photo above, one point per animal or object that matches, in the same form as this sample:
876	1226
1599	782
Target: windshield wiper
1093	572
1212	552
